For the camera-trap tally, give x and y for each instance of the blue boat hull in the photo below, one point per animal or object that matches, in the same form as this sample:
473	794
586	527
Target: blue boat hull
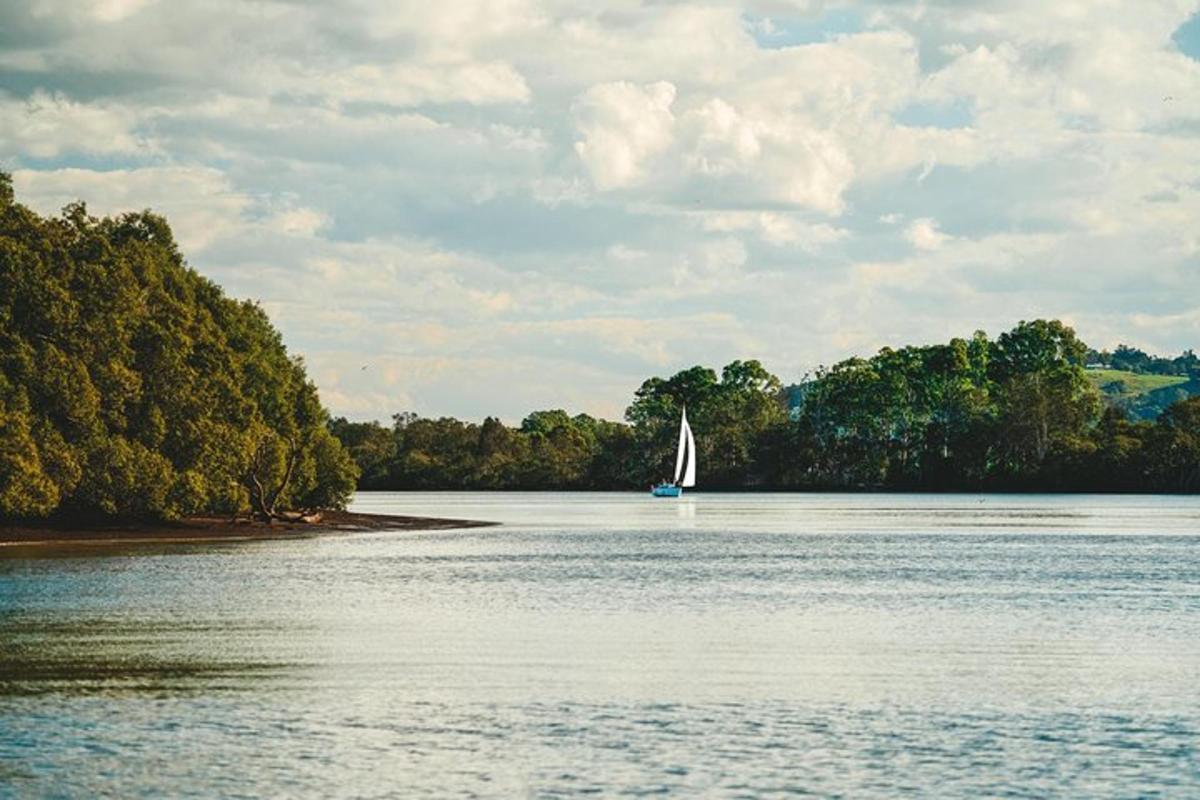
667	490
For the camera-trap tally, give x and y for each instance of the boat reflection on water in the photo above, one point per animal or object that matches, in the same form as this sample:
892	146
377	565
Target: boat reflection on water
686	509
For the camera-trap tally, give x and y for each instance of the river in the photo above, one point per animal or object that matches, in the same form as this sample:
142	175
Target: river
732	645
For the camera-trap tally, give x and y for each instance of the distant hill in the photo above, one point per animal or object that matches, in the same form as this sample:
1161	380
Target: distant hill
1143	396
1131	359
1141	384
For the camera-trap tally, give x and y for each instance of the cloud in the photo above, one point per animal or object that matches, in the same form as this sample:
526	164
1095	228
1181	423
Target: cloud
924	234
776	228
552	200
299	221
46	125
199	202
623	125
113	10
770	159
725	141
409	85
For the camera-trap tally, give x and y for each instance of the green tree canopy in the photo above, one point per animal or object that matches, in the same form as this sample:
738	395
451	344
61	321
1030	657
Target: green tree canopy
733	417
1013	413
132	386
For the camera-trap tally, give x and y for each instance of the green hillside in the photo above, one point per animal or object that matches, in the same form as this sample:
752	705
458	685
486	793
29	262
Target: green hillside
1131	384
1142	395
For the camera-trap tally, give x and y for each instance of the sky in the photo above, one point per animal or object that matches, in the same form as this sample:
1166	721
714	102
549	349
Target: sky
485	208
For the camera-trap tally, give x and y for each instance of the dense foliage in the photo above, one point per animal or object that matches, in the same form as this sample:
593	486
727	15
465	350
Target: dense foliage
1131	359
1143	385
550	450
1015	413
131	386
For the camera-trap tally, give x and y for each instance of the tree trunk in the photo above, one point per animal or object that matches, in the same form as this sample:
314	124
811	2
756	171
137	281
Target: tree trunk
263	502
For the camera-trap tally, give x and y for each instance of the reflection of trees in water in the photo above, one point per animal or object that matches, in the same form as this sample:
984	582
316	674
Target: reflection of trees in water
106	656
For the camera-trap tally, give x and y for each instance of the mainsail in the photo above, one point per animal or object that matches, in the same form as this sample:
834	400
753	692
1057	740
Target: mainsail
689	473
685	459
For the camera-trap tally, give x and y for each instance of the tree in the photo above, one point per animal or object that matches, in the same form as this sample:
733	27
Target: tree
964	415
1043	392
25	488
731	416
1015	413
371	445
503	457
1174	447
1037	346
131	386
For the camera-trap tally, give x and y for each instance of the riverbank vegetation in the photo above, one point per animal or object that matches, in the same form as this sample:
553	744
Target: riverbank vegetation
1022	412
132	387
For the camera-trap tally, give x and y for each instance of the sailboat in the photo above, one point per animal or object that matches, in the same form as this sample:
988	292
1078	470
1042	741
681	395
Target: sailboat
685	464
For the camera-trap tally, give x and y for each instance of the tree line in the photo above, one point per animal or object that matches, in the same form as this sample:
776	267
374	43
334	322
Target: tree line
130	386
1132	359
1006	414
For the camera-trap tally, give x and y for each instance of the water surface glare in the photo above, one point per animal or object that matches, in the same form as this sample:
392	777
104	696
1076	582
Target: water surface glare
611	644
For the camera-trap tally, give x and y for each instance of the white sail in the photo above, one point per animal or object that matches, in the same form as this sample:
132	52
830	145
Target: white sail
683	433
689	474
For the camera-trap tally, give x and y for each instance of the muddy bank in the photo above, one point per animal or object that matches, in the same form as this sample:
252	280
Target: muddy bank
218	529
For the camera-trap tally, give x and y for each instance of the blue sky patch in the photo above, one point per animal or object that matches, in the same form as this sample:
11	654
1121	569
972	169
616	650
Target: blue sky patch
1187	37
936	115
779	32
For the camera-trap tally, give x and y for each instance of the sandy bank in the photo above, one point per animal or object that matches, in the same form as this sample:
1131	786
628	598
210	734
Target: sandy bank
216	529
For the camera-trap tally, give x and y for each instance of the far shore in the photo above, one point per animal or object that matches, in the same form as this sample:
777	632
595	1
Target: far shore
196	530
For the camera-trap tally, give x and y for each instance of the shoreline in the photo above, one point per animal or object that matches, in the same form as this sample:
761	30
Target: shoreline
202	530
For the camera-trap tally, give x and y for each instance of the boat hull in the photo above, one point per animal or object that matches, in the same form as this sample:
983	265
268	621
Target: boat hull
666	490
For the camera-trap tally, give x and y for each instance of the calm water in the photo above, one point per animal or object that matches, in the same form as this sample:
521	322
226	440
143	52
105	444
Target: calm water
723	646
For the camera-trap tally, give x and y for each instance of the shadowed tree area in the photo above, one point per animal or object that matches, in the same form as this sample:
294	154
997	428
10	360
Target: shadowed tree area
130	386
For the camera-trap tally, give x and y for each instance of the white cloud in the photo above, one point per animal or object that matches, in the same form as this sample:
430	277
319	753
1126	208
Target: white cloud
299	221
46	125
113	10
775	158
777	229
200	204
725	142
623	125
401	84
100	10
553	199
924	234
